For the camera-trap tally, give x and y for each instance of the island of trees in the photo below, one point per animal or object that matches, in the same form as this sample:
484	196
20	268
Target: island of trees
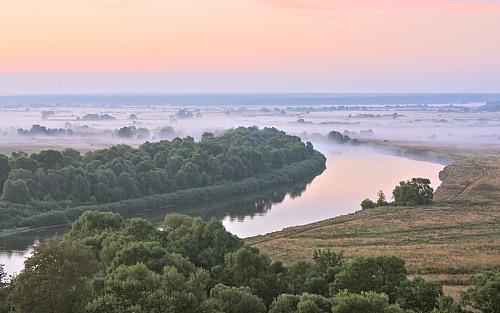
55	187
107	264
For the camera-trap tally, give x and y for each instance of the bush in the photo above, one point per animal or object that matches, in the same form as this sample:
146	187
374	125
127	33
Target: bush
365	302
368	204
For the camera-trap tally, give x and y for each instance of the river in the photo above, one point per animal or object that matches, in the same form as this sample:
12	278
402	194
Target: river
351	176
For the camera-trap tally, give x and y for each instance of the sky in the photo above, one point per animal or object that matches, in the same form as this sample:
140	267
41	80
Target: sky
156	46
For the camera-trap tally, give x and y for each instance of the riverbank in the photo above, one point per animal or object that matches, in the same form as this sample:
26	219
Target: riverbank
448	241
310	167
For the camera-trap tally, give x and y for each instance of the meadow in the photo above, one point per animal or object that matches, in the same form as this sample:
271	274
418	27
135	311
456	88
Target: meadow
455	237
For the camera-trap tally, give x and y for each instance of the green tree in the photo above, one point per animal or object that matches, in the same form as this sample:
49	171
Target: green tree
413	192
419	295
247	267
16	191
133	289
338	137
365	302
381	200
92	223
4	291
445	305
127	183
23	162
372	273
305	303
80	189
203	243
224	299
368	204
4	169
50	159
485	293
55	278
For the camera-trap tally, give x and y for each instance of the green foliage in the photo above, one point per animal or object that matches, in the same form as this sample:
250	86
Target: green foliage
338	137
368	204
94	223
16	191
4	169
381	274
131	289
106	264
247	267
413	192
446	305
419	295
364	302
4	291
314	277
55	278
381	200
224	299
124	179
305	303
204	244
485	294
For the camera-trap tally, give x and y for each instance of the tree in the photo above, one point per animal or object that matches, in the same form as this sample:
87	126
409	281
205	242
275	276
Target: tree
127	132
92	223
131	289
4	169
80	189
364	302
55	278
4	291
413	192
224	299
381	200
373	273
446	305
338	137
23	162
247	267
128	184
485	293
16	191
203	243
305	303
50	159
368	204
419	295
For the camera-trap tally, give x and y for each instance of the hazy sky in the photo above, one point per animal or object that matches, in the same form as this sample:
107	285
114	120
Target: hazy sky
51	46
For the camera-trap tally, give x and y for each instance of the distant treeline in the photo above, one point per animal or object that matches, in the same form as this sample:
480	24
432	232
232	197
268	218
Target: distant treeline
245	99
53	187
106	264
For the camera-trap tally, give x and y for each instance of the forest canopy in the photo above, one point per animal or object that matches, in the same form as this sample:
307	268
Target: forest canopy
106	263
238	160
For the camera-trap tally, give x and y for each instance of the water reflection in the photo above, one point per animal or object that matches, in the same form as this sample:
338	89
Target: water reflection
350	177
235	208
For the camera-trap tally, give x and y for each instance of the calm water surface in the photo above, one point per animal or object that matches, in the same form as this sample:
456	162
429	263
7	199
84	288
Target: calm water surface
350	177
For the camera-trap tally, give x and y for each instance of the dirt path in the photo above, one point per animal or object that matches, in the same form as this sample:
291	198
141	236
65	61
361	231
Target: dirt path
469	186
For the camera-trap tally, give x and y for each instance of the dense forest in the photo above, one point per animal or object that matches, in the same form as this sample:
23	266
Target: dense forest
106	264
54	187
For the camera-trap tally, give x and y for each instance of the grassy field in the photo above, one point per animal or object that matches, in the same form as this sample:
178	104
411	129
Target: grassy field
448	241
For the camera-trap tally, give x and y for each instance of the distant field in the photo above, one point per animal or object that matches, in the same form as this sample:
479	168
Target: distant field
457	236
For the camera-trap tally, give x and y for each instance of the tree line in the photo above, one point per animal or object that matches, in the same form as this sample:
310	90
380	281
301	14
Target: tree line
107	264
239	160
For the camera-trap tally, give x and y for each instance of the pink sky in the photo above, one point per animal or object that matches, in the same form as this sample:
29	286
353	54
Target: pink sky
301	45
